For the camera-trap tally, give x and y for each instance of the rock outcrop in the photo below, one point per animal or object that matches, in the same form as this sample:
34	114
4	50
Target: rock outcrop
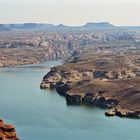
106	81
7	132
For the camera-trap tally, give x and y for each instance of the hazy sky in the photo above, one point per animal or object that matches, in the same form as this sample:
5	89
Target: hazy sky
70	12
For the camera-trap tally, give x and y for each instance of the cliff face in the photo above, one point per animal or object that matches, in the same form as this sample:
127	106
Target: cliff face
108	81
7	132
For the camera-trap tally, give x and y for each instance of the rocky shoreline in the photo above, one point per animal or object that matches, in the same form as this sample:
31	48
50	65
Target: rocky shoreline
107	81
7	132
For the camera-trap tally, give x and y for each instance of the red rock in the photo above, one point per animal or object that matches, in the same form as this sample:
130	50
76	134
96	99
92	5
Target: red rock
7	132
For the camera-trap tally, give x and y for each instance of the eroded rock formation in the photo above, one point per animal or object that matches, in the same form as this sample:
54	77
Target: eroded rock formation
7	132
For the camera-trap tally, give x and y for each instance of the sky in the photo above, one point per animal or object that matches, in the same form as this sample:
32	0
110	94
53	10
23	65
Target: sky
70	12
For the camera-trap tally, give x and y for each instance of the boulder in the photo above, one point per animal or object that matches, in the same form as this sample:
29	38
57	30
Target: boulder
111	112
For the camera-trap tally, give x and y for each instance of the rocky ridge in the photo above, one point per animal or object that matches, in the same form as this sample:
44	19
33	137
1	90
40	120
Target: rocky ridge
104	80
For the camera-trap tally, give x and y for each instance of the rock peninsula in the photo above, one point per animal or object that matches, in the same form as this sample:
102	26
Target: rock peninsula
105	80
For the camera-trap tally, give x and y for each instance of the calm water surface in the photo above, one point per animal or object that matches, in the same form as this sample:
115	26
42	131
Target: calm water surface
44	115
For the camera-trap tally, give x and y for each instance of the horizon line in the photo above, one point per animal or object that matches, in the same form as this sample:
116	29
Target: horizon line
65	24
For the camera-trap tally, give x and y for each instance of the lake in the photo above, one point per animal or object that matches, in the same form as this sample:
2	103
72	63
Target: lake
43	114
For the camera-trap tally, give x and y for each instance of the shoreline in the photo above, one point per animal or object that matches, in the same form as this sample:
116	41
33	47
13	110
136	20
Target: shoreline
29	64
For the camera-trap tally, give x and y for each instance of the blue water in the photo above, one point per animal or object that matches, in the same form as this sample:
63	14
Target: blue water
44	115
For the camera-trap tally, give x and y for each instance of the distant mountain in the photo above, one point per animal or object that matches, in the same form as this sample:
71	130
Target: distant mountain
99	25
3	28
61	27
28	26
